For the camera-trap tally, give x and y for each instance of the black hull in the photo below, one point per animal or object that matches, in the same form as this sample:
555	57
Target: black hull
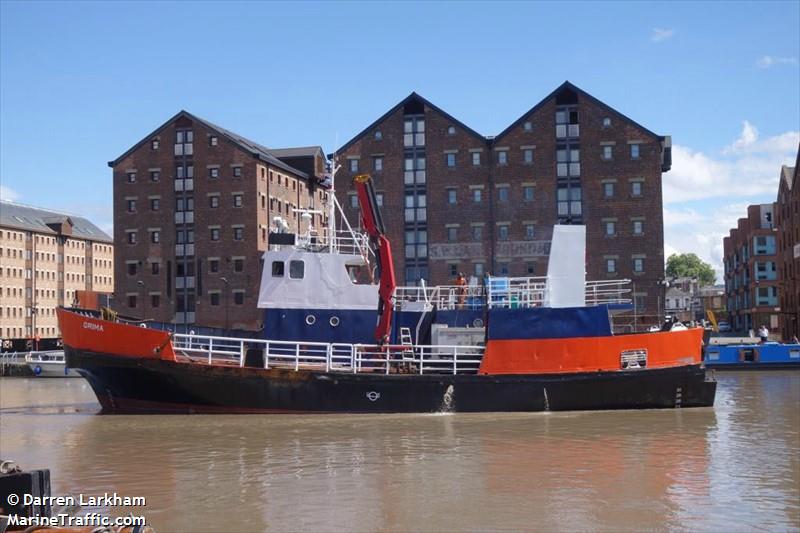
132	385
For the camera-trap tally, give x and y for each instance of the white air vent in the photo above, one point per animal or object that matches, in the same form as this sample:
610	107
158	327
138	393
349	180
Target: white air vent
630	359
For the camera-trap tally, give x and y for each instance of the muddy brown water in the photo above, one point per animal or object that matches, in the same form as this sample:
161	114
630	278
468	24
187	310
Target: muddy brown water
734	467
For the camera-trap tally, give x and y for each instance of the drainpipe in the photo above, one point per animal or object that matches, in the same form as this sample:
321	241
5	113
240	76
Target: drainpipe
490	144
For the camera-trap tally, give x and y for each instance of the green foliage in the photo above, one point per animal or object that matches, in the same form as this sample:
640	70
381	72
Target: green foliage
690	266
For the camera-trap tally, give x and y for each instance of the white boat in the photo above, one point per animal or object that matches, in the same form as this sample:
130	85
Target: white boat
50	364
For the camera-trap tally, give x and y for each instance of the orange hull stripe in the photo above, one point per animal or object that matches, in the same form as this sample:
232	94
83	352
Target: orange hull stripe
96	335
590	354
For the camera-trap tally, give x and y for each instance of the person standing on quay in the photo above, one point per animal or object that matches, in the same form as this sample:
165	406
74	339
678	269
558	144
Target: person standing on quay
763	333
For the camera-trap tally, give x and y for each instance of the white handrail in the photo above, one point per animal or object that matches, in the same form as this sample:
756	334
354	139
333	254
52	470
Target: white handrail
508	292
333	357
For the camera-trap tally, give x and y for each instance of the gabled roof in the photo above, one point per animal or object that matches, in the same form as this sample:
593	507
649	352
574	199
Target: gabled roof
404	101
36	219
787	176
257	150
301	151
584	94
563	86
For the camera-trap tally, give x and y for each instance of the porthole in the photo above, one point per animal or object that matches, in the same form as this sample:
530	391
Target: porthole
310	320
334	321
478	322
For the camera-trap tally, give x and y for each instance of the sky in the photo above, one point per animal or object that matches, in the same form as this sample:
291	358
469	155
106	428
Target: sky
81	82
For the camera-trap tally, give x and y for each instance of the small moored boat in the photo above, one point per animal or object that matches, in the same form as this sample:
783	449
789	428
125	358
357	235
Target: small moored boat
753	356
50	364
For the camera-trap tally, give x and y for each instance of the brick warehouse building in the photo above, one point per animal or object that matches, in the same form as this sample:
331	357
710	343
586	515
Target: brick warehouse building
46	258
455	200
751	271
193	206
787	216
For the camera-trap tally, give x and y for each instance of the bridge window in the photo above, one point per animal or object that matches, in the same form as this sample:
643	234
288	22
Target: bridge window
297	269
359	274
277	269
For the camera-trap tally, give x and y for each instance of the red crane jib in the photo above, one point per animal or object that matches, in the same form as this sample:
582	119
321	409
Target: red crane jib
373	223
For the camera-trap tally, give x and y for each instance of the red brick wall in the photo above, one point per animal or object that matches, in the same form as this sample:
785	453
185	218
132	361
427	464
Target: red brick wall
743	235
518	252
787	210
253	184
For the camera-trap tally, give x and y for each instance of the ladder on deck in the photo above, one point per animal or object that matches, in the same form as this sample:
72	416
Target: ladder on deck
407	343
405	337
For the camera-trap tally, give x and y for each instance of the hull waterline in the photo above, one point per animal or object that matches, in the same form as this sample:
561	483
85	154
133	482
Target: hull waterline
147	385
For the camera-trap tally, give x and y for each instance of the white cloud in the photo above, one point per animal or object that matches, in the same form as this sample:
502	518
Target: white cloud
744	172
747	138
678	217
7	194
661	34
749	143
748	166
688	231
770	61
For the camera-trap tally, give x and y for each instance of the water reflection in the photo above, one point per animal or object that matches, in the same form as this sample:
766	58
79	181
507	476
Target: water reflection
731	467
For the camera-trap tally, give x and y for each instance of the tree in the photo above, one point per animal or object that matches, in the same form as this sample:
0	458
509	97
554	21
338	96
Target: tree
690	266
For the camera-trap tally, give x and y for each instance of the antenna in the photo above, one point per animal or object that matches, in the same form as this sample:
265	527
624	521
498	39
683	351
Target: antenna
332	203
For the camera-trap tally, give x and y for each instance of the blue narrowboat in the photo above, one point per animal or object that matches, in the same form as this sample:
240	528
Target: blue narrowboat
752	356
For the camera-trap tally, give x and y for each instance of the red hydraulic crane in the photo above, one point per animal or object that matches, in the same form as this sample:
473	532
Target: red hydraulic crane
373	223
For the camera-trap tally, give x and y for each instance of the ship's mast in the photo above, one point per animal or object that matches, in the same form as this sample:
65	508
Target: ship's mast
332	207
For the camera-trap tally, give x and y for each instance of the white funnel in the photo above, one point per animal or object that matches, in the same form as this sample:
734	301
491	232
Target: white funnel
566	269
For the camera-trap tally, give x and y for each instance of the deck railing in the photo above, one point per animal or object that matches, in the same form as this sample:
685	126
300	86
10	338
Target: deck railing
330	357
504	292
343	241
443	296
614	291
44	356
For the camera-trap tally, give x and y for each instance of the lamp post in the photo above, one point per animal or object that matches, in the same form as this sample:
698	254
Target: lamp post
227	285
34	342
140	284
662	282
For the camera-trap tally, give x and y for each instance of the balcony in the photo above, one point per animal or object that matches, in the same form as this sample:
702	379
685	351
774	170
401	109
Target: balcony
768	275
184	185
183	149
567	130
184	217
771	301
185	282
181	318
184	249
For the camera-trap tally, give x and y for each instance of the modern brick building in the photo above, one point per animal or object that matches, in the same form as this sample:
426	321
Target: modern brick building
787	211
751	271
456	200
45	258
193	206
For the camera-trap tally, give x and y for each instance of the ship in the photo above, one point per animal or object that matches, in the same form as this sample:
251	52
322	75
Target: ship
490	345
